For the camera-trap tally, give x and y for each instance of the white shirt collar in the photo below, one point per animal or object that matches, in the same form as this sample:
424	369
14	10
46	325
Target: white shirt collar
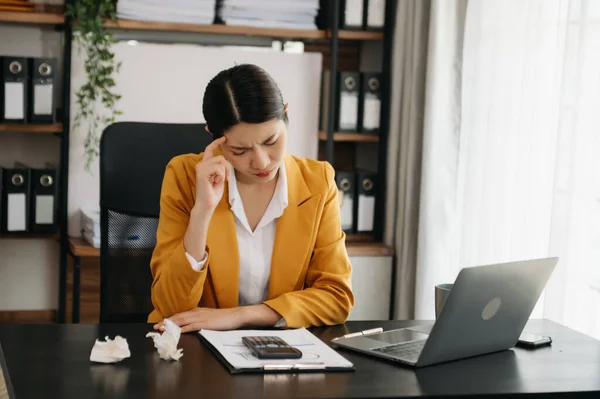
276	207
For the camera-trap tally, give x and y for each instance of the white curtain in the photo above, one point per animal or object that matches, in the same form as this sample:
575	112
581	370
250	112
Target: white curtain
511	161
405	146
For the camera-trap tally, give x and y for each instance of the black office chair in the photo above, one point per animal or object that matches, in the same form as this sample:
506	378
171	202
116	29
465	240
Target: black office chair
133	158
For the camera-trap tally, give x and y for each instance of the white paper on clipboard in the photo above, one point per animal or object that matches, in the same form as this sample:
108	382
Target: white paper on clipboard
314	351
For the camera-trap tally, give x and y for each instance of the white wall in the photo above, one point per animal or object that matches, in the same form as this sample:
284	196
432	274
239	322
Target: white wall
29	268
165	83
372	287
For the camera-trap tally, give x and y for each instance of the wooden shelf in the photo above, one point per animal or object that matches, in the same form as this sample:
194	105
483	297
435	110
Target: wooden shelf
368	249
359	35
219	29
215	29
80	247
43	18
359	238
31	128
351	137
53	17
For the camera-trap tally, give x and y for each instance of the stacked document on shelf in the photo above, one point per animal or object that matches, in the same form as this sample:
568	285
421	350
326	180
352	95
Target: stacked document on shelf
176	11
228	347
90	226
291	14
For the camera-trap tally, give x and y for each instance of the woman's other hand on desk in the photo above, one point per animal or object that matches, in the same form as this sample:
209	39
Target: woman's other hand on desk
224	319
207	318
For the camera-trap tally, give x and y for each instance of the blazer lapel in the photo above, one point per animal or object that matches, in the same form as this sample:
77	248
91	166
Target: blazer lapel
294	233
224	267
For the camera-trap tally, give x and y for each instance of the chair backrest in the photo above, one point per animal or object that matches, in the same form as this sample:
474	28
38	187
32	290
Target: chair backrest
133	158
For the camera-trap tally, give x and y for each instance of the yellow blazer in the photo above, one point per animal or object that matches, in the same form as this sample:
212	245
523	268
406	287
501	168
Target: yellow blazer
310	271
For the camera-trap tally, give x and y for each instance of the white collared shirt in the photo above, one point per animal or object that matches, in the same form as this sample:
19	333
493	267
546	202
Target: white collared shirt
255	247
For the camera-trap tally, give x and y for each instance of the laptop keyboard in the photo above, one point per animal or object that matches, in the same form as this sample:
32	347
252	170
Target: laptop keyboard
409	351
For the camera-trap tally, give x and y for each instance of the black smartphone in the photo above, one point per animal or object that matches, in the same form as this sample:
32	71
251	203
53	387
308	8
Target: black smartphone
528	340
271	347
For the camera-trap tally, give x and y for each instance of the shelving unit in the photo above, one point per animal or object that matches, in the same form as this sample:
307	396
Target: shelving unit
346	145
51	16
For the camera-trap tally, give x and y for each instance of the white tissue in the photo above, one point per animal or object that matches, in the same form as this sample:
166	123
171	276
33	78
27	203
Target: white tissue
110	351
166	343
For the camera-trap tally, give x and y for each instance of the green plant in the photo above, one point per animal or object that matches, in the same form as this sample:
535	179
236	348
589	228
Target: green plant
95	42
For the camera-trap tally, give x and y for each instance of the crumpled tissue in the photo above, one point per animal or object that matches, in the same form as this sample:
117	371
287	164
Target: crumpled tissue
110	351
166	343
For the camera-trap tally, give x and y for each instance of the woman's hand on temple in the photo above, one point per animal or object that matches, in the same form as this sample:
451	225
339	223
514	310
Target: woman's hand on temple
211	174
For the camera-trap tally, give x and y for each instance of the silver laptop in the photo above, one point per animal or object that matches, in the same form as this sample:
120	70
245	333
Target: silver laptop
485	312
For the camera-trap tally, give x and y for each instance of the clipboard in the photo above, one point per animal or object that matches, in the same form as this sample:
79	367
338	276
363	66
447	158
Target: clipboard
331	361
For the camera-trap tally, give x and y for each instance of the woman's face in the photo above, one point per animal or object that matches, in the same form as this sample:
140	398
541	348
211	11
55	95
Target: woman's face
256	150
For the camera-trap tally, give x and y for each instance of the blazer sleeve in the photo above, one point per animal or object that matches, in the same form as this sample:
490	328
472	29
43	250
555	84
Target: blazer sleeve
327	298
176	286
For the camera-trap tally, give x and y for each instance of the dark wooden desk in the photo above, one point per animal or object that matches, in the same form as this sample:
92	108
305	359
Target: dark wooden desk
52	361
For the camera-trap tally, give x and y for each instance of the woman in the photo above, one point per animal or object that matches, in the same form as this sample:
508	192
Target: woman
249	235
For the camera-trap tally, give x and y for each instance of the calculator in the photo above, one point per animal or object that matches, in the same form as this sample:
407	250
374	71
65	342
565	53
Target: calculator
270	347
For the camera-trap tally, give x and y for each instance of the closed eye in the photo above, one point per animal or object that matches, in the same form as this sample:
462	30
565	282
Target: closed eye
269	142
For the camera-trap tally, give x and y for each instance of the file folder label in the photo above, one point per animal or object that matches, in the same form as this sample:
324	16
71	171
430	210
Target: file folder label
44	209
346	210
348	111
353	14
43	99
14	99
16	219
371	112
376	14
366	214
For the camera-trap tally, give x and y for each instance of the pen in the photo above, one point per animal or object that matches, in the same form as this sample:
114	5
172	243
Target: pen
361	333
297	366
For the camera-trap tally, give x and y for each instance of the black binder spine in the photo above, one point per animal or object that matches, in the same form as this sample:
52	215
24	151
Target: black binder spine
15	199
348	101
365	205
14	90
347	196
43	209
42	90
370	104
